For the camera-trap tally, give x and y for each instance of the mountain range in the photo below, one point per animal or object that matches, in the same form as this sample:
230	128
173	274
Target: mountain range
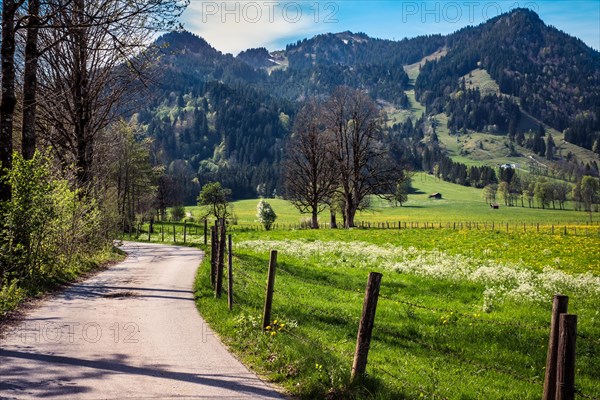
512	80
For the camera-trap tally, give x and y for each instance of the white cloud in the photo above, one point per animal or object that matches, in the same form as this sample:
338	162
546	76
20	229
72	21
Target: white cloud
233	26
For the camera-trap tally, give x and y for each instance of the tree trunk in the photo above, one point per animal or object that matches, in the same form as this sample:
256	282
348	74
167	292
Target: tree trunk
30	82
332	221
350	220
9	100
81	98
349	211
315	220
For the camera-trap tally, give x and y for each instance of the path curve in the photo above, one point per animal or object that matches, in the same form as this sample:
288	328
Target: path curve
132	331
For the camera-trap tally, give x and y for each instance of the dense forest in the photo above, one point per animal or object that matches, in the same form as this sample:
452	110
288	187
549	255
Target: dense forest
230	135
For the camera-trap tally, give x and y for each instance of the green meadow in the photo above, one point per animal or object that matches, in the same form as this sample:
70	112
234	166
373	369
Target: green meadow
458	204
463	314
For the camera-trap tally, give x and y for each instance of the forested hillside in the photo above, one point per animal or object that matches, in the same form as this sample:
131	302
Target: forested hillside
554	77
218	117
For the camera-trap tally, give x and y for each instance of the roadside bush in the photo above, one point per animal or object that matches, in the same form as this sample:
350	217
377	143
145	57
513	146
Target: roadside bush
49	231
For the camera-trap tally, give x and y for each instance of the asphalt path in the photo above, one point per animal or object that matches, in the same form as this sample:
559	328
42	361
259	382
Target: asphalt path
131	331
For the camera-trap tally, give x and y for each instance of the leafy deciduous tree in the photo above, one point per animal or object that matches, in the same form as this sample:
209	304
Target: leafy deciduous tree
214	199
489	193
590	192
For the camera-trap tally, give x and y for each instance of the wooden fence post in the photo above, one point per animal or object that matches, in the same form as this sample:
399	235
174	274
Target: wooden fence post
367	319
213	255
221	257
162	231
565	366
560	305
205	231
184	231
174	238
270	286
229	274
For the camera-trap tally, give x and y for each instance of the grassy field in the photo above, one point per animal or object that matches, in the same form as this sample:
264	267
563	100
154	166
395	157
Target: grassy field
481	79
459	204
461	314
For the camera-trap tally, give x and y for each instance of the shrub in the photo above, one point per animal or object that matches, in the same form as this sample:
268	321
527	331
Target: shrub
265	214
177	213
48	230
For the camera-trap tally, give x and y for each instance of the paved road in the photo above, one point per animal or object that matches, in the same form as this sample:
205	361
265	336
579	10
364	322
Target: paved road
132	331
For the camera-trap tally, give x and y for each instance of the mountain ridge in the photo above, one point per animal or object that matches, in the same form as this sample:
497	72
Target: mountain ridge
193	123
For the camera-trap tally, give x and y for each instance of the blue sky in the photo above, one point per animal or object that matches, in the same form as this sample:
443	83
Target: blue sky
232	25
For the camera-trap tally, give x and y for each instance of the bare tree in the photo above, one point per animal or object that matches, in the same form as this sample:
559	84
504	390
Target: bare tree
93	59
9	99
309	174
133	174
362	162
82	54
28	137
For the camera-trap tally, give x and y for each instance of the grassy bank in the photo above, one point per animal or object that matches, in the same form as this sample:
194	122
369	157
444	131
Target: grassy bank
18	292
